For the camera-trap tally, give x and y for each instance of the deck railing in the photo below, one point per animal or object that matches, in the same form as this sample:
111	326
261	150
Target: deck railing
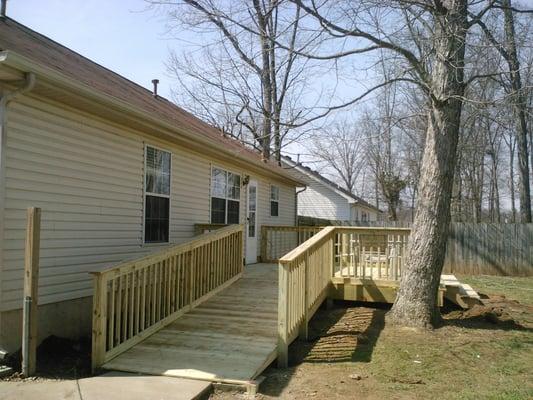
134	299
279	240
200	229
334	253
370	253
304	277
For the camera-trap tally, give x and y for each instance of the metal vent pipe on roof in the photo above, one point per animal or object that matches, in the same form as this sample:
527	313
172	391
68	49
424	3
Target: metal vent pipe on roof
155	82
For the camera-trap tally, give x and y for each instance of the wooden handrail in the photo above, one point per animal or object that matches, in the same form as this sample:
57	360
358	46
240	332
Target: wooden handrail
134	299
304	278
309	244
200	229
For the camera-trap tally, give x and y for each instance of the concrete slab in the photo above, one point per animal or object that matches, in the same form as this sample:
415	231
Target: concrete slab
121	385
110	386
40	390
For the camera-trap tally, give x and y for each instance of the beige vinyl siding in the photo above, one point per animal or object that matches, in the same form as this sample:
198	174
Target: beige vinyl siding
189	201
87	175
287	203
87	178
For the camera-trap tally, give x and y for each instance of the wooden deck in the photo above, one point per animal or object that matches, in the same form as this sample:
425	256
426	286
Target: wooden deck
230	338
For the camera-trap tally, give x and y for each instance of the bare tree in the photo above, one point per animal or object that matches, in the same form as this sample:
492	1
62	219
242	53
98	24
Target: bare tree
239	78
507	47
340	147
428	40
381	150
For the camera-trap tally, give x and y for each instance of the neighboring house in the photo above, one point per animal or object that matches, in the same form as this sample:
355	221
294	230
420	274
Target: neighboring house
117	171
325	199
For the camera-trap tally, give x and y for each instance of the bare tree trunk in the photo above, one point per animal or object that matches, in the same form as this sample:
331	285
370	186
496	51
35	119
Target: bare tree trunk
416	304
494	191
511	178
519	105
266	82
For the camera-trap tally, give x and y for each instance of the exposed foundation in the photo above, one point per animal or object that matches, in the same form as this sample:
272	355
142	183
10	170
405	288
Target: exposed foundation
68	319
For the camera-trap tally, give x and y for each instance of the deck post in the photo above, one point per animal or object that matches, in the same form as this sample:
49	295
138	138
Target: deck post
304	326
263	245
31	289
283	311
99	321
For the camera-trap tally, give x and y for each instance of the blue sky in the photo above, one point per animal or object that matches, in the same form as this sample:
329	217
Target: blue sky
121	35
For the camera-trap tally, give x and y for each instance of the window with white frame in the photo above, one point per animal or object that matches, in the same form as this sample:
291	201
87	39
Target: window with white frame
364	216
225	196
157	195
274	201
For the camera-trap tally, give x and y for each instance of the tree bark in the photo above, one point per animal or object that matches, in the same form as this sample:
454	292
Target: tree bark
519	105
416	303
266	82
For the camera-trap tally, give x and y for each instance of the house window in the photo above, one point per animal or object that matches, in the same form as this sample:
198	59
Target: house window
225	197
364	216
157	195
274	201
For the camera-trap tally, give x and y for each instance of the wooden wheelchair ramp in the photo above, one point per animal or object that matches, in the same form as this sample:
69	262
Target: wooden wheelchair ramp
230	338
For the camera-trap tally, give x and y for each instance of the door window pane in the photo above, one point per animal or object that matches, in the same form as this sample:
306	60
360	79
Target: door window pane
274	201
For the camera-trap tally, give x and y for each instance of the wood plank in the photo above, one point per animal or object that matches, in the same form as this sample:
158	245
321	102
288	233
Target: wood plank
31	290
230	337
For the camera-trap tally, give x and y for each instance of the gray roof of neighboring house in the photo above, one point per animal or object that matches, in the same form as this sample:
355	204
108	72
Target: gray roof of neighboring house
308	171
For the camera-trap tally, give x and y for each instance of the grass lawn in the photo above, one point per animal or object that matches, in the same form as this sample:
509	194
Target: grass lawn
516	288
354	355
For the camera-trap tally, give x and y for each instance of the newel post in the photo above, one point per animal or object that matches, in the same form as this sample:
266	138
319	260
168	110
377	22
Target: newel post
263	244
31	291
99	321
283	313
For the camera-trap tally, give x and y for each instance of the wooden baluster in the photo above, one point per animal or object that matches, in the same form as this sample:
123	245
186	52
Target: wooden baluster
111	317
124	329
131	303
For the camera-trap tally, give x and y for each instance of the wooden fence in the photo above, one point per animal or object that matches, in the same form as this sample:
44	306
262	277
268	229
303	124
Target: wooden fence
486	248
136	298
490	249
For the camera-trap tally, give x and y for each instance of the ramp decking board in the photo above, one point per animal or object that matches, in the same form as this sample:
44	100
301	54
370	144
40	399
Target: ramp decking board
230	338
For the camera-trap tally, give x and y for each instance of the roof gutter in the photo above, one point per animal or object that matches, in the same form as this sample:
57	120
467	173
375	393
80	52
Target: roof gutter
24	64
5	98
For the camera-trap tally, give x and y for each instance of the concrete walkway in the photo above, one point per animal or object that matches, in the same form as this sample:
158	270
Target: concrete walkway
110	386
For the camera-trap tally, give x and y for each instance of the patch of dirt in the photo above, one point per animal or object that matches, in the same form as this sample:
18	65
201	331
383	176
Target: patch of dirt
498	310
351	354
335	335
57	358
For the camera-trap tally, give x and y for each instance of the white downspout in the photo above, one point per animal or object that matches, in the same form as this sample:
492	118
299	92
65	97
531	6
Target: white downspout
5	98
296	219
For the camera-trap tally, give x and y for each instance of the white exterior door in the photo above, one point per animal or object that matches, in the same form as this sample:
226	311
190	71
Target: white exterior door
251	223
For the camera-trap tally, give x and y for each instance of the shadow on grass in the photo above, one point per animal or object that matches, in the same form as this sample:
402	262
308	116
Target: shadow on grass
347	333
